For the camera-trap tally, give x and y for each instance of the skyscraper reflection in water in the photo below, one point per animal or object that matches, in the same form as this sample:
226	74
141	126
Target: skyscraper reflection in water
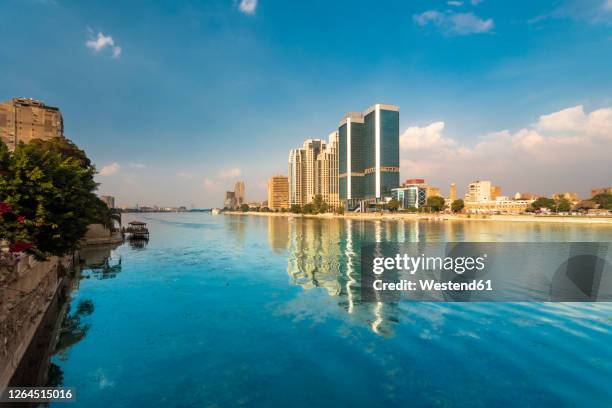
325	254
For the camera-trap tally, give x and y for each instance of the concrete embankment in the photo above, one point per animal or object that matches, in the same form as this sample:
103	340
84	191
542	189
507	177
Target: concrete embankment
27	289
98	234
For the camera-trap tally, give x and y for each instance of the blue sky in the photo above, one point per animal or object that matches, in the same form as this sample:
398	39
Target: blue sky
174	101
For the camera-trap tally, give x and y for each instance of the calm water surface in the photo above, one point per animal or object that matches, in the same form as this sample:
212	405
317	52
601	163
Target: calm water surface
262	311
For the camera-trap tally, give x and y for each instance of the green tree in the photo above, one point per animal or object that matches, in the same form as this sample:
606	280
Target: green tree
411	209
544	202
316	202
564	205
457	205
308	208
604	200
340	210
295	208
435	203
393	205
244	207
51	184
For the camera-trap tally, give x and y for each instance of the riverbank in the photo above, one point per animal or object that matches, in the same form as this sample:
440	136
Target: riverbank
440	217
29	287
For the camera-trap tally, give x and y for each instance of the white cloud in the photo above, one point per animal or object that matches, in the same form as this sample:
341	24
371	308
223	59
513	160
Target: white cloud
454	3
454	23
247	6
567	150
184	174
138	165
607	5
476	2
209	184
230	173
101	42
110	169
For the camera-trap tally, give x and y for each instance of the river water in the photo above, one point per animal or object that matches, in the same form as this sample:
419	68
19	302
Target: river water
264	311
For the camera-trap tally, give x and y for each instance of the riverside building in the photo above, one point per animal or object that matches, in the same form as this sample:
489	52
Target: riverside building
313	170
23	120
278	192
368	155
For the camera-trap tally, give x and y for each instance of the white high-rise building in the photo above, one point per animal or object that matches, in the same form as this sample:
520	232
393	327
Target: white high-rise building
302	171
313	170
479	191
327	172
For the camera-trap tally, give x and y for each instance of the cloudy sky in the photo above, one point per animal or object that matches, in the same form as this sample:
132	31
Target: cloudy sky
175	101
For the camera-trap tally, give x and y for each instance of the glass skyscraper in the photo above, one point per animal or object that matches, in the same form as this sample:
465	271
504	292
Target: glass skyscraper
369	154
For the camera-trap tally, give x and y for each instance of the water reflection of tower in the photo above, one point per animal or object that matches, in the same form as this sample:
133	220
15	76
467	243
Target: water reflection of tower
314	254
278	233
326	254
236	226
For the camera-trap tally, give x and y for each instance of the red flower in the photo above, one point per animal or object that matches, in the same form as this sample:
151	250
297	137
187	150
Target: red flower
19	246
20	219
5	208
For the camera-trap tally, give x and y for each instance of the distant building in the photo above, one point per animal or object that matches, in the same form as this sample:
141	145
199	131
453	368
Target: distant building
313	170
411	196
302	168
108	200
369	154
501	205
433	192
23	120
452	194
525	196
414	193
602	190
326	172
573	197
229	200
351	150
239	192
478	191
496	191
278	192
415	182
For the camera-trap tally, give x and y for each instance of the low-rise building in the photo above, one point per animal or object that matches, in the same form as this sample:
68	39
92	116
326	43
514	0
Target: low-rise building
501	205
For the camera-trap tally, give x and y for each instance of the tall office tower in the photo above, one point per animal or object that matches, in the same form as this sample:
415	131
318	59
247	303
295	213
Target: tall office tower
239	192
452	196
327	172
278	192
302	171
351	157
22	120
382	150
478	191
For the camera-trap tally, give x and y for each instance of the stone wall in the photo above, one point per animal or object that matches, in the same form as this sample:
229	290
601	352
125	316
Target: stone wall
98	234
26	289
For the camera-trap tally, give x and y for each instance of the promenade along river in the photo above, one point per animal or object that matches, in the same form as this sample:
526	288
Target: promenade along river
263	311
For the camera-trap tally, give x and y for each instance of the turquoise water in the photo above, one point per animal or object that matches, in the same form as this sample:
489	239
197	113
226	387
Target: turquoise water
259	311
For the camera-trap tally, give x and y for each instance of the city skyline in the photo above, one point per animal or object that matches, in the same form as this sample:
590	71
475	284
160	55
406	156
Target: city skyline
214	93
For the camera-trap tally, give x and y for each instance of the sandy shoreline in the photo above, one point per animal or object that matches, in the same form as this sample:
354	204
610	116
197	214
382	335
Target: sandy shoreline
441	217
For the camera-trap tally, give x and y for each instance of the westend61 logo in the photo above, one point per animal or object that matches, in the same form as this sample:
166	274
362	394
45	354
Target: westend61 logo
475	271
